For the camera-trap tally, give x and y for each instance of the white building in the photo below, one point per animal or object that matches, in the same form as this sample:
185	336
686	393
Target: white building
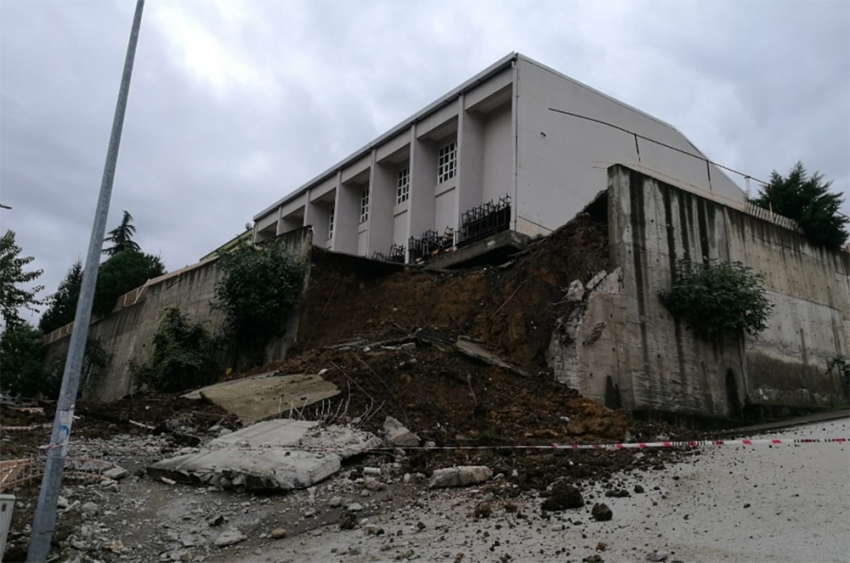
507	131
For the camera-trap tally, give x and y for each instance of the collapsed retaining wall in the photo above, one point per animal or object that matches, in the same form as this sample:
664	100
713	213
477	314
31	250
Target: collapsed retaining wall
126	333
624	347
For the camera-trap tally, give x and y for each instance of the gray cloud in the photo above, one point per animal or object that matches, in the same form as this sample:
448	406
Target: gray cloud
233	105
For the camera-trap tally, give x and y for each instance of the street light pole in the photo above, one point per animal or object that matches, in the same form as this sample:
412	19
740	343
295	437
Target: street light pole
44	520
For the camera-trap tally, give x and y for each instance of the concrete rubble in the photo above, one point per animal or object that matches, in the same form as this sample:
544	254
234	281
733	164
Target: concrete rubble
267	395
276	454
397	435
460	476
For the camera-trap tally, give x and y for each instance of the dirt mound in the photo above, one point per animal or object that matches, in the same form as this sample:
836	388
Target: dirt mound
512	309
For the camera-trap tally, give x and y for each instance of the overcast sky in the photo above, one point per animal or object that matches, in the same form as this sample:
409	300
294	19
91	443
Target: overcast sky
235	104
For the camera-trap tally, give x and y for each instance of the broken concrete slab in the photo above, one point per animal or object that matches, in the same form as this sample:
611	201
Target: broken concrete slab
276	454
473	349
264	396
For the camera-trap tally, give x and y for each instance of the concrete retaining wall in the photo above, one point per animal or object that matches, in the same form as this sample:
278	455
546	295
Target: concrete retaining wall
642	358
126	334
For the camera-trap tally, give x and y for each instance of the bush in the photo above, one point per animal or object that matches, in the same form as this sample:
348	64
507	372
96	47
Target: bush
259	288
21	356
182	356
717	297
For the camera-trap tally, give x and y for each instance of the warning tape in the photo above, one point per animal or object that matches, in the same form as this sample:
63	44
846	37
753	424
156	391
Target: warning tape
573	447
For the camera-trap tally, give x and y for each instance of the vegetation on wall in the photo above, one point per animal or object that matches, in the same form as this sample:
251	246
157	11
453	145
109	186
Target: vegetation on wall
182	355
717	297
807	200
259	287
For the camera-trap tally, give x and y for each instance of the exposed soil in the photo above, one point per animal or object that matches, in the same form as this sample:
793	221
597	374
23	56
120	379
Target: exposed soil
512	309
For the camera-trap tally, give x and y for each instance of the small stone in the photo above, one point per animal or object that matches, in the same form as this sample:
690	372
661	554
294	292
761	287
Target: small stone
563	496
116	473
216	520
601	512
89	509
575	291
230	537
309	512
278	533
335	502
355	507
656	556
460	476
406	478
639	489
62	502
371	471
373	484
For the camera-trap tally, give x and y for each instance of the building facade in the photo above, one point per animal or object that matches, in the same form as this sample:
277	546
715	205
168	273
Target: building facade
517	147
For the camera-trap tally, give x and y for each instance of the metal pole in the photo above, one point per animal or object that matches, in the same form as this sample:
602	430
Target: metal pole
44	520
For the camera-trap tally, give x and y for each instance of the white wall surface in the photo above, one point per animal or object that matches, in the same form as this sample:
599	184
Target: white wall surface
562	160
498	160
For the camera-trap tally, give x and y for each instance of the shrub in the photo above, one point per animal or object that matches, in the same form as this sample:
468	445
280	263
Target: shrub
182	355
259	288
716	297
21	354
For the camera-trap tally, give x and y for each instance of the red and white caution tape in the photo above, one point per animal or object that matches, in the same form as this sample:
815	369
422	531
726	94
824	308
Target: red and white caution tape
574	447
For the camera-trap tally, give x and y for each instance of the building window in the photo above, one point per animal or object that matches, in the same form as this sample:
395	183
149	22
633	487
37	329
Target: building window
331	223
402	192
447	162
364	206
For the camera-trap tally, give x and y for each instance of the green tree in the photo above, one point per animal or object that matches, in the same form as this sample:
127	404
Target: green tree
121	236
807	200
259	287
717	297
21	357
12	275
62	305
121	273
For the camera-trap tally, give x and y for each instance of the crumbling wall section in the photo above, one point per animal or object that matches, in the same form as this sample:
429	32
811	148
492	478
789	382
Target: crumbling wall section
664	367
126	334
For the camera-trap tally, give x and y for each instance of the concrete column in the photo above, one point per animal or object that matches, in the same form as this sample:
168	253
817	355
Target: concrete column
423	180
383	184
470	162
346	218
317	215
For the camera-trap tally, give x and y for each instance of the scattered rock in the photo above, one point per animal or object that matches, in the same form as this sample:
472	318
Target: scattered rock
278	533
230	537
460	476
89	509
216	520
62	503
335	502
656	556
483	510
601	512
347	521
617	493
563	496
397	435
355	507
639	489
575	291
371	471
116	473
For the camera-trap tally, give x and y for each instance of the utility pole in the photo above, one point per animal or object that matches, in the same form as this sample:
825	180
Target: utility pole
44	521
